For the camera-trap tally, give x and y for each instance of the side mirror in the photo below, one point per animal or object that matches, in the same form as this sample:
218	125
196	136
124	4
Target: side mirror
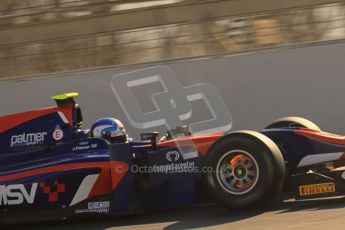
150	136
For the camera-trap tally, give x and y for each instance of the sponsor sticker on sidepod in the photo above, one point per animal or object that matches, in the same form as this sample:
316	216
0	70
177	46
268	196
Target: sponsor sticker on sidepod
98	205
28	139
58	134
95	207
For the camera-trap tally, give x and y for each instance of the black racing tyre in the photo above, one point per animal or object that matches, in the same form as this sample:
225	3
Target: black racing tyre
248	170
293	122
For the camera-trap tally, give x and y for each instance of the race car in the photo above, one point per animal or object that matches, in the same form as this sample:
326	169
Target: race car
52	168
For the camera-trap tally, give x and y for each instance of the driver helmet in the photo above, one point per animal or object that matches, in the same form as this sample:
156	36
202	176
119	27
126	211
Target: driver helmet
110	129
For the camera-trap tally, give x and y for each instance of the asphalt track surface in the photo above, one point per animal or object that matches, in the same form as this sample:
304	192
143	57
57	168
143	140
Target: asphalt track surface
317	214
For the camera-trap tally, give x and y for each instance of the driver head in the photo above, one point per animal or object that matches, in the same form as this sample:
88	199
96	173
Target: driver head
110	129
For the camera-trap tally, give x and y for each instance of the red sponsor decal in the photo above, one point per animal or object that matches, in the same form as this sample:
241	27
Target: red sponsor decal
53	193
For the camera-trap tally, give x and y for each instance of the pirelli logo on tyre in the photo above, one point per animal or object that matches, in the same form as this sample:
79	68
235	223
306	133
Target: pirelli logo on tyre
312	189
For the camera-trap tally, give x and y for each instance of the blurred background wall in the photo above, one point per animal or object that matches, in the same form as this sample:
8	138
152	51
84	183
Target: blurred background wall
47	36
256	87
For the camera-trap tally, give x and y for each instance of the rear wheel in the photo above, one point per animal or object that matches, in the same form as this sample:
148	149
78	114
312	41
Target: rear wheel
293	122
248	170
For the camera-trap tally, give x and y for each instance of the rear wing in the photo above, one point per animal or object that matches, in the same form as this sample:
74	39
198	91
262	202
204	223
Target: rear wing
65	98
68	99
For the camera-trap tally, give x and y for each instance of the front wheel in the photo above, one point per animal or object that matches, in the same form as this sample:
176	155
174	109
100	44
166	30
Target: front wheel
248	170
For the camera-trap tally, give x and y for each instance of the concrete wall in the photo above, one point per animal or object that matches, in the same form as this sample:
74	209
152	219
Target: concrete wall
257	87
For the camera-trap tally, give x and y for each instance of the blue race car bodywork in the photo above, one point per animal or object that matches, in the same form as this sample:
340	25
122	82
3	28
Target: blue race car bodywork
51	168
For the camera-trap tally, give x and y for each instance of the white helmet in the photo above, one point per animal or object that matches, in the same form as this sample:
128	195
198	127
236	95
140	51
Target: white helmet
110	129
